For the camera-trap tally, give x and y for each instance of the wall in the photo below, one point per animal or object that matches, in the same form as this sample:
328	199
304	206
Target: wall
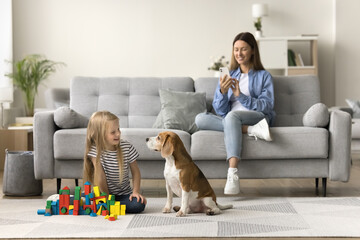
158	37
347	51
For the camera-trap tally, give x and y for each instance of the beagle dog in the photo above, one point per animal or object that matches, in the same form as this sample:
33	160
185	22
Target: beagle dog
184	178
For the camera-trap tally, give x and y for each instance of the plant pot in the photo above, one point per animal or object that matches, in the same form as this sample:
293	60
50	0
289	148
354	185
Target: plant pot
216	73
258	34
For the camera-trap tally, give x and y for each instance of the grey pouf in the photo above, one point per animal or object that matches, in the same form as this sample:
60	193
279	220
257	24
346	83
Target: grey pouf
19	178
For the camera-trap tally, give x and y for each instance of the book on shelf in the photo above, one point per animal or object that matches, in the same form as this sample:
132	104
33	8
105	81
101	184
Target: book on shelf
299	61
291	58
294	59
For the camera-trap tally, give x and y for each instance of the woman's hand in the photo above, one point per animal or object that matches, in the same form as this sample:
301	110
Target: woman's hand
138	196
235	87
225	84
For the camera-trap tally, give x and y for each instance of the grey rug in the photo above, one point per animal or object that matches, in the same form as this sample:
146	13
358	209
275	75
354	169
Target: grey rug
258	217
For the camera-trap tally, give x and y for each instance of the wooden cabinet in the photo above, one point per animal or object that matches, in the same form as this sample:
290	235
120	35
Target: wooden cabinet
15	140
274	54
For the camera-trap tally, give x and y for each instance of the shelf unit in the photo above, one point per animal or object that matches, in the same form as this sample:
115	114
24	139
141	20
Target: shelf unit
274	54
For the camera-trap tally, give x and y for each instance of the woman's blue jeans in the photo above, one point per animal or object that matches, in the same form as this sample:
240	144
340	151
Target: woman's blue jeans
131	206
231	125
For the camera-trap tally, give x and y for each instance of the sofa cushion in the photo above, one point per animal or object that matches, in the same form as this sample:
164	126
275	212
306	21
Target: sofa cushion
135	100
288	143
317	116
69	144
179	109
65	117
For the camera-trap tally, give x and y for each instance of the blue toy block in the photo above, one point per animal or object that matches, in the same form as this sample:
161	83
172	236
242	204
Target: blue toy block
87	200
41	211
47	214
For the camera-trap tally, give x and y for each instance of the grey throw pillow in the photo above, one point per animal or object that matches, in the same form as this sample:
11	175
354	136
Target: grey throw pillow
355	106
179	109
66	117
316	116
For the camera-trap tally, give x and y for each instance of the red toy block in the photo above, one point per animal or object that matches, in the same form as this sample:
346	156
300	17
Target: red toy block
76	207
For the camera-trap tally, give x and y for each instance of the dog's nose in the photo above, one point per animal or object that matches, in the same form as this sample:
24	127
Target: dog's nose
147	139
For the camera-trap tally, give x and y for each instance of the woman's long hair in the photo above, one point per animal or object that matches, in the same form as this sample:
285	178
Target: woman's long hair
95	136
255	62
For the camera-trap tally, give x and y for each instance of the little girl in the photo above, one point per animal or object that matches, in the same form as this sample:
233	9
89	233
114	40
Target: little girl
107	160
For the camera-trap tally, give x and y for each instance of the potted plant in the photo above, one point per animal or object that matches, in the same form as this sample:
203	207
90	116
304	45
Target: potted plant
217	64
29	73
258	26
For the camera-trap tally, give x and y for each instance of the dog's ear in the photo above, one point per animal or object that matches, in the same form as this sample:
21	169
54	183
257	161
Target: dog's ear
167	147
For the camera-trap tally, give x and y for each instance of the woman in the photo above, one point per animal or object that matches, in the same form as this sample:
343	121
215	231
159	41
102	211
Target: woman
244	102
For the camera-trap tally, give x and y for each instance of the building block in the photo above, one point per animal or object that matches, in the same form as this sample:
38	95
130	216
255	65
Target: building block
76	207
41	211
87	187
77	193
123	209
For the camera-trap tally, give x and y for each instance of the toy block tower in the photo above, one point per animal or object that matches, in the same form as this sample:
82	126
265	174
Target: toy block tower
64	201
77	200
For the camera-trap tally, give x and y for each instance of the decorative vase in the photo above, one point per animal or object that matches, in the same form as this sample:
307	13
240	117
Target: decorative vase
258	34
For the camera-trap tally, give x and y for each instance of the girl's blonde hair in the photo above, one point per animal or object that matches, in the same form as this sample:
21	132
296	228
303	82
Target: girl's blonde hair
255	62
96	130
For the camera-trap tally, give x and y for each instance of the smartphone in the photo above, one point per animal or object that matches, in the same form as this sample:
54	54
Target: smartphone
224	71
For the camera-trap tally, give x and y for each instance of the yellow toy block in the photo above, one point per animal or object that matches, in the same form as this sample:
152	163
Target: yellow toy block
115	209
96	191
106	217
99	211
71	207
123	209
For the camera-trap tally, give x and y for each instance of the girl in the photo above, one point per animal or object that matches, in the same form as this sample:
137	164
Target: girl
107	160
244	103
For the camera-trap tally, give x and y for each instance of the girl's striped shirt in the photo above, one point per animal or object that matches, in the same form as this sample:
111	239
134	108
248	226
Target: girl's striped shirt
109	162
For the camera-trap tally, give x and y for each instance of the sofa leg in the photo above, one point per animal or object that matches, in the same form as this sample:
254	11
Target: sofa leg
324	180
76	182
58	184
316	183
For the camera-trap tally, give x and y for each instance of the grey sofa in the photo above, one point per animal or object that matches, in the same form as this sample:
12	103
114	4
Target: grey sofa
296	152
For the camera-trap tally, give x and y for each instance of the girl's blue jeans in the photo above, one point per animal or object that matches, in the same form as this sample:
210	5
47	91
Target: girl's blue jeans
131	206
231	125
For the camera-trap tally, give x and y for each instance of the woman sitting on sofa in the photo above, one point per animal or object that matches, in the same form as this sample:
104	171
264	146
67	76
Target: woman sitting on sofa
244	103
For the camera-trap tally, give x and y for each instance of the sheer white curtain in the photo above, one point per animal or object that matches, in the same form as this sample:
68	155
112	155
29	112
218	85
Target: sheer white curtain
6	43
6	53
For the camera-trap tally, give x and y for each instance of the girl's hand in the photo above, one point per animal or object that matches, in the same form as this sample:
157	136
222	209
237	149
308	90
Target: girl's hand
235	87
139	197
225	84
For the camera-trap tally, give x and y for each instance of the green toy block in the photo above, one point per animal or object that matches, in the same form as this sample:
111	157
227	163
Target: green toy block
77	193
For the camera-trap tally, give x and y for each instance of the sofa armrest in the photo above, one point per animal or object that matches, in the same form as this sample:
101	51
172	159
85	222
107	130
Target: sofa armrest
44	129
345	109
339	146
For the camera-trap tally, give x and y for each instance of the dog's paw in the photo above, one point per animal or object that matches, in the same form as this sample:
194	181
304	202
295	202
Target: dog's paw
210	212
180	214
166	210
176	208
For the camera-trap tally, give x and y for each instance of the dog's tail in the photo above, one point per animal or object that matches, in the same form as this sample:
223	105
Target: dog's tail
224	207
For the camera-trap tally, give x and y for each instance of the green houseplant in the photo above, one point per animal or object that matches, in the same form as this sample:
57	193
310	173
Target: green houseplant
29	73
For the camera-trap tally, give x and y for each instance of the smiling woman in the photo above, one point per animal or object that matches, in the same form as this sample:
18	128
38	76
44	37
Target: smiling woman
243	102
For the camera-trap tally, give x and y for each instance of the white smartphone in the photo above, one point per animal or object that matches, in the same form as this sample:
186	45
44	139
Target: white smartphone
224	71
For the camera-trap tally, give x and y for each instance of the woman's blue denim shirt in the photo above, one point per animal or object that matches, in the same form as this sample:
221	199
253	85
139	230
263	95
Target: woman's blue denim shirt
261	97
